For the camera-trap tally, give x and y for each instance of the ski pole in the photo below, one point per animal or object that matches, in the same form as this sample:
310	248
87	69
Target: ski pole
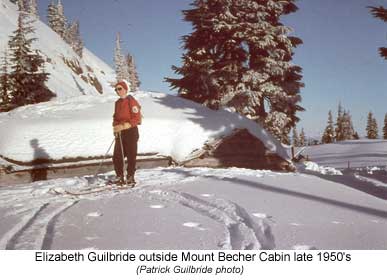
123	159
104	157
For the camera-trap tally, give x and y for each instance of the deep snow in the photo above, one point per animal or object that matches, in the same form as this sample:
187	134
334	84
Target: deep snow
356	153
199	208
63	81
82	127
176	208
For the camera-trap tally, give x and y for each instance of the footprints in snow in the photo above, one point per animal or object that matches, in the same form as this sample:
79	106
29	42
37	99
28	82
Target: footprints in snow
149	233
91	238
191	224
94	214
157	206
194	226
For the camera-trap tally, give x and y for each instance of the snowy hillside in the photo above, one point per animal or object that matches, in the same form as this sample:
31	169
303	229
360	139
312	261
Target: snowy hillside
356	153
82	127
70	75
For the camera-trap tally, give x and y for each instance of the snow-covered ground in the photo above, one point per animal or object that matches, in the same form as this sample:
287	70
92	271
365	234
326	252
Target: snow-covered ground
176	208
180	208
356	153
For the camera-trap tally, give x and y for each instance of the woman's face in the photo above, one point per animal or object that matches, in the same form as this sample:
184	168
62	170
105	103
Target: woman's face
120	91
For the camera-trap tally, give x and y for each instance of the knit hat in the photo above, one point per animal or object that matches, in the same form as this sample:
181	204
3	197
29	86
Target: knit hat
124	84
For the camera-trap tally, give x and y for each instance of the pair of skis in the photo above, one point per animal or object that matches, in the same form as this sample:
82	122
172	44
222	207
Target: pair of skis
109	186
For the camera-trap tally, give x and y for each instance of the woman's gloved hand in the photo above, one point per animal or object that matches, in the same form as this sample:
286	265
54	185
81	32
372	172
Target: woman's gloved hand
120	127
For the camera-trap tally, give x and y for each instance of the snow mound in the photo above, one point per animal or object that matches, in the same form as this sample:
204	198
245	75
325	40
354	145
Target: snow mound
82	127
375	169
312	166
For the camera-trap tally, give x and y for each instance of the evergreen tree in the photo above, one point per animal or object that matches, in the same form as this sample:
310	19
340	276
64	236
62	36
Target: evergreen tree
376	129
329	132
62	21
26	76
122	72
339	124
344	127
52	14
296	138
133	75
4	81
303	141
385	127
22	5
285	139
203	65
369	125
372	127
78	42
275	123
381	13
72	37
239	55
33	9
352	133
56	18
348	131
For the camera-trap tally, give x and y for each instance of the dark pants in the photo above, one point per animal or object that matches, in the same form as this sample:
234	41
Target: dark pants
129	143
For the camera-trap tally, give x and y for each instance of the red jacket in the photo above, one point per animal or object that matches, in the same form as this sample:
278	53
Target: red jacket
127	110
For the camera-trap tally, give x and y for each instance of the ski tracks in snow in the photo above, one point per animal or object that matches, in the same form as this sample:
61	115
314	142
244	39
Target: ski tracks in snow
241	231
36	211
40	207
35	231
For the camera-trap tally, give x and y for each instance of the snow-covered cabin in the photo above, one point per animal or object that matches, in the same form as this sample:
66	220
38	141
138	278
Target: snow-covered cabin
80	128
77	124
239	149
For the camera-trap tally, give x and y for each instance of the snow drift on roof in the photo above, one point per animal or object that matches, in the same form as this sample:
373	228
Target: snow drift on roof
82	127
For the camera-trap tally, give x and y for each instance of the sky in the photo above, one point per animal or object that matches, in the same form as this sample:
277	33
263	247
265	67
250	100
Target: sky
339	56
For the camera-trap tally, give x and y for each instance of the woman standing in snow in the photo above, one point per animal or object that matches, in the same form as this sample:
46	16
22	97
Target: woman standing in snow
127	115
